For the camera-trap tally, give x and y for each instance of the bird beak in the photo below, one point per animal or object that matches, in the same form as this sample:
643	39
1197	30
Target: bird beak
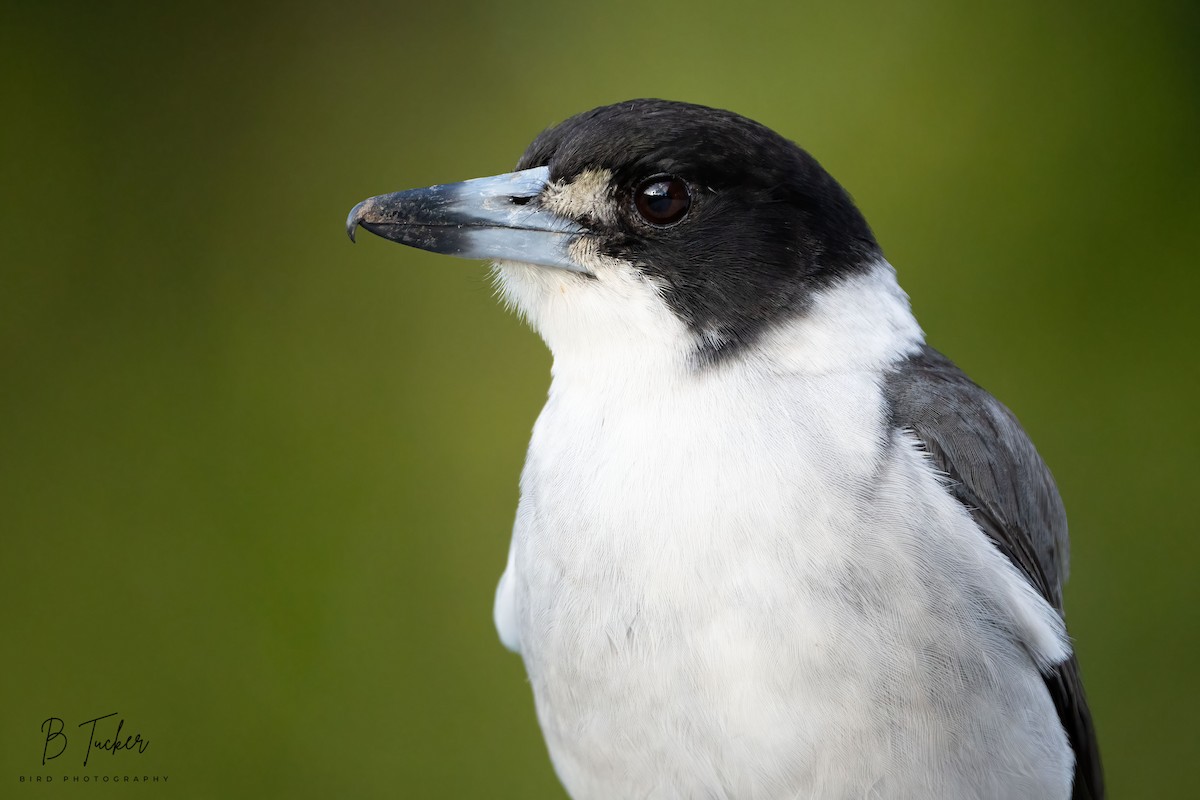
495	218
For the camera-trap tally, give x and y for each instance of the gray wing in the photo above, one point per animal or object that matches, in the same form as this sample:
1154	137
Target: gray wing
996	472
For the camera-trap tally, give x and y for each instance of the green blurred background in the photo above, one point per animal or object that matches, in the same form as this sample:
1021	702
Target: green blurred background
256	484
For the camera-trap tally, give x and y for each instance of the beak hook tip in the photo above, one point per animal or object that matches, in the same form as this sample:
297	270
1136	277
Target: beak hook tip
354	220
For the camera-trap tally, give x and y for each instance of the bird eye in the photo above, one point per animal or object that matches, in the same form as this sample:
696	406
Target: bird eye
662	200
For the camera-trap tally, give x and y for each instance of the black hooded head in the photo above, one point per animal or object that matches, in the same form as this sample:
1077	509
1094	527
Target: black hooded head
766	225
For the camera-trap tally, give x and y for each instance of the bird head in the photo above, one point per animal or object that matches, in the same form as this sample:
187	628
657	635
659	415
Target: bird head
663	227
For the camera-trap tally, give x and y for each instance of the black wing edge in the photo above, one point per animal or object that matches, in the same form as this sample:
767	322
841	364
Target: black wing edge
995	471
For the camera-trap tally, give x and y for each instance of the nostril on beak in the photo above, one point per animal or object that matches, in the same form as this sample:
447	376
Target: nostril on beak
521	201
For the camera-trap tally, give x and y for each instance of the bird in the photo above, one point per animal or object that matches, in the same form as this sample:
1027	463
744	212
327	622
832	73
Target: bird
769	542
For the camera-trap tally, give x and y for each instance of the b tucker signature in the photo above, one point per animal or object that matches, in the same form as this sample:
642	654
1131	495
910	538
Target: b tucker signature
55	738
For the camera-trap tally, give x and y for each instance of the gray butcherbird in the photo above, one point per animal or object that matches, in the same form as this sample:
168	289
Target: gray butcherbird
770	544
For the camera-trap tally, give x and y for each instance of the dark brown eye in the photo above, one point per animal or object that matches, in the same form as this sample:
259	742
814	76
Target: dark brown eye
662	200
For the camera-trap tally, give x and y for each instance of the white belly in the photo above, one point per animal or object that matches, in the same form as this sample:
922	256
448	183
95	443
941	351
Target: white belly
724	598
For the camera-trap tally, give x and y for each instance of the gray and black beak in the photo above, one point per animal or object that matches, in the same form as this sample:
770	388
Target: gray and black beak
497	218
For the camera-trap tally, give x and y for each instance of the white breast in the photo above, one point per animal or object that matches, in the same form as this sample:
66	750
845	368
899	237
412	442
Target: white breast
740	584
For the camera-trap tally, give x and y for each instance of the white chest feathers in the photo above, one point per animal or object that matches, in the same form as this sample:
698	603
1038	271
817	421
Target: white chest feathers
757	591
741	582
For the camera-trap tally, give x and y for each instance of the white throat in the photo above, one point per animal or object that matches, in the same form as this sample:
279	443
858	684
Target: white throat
616	326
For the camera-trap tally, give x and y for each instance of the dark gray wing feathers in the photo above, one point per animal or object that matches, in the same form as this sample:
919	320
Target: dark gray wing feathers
994	470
